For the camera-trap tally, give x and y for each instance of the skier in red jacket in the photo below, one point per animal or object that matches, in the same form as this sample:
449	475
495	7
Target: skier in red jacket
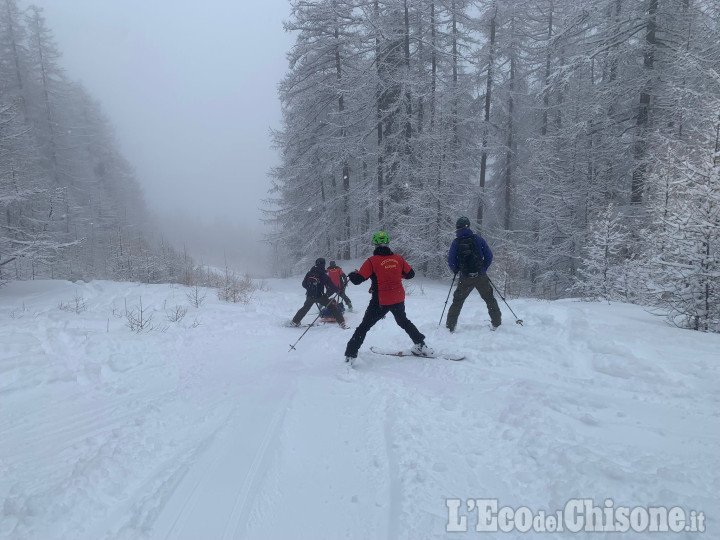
386	270
338	277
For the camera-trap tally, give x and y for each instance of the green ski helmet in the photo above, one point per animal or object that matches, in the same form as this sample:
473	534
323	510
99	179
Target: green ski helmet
462	222
380	237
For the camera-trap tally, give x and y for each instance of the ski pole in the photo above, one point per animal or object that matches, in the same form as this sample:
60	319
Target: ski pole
517	321
292	347
448	298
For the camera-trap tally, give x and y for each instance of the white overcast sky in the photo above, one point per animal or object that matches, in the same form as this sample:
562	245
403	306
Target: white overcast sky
191	89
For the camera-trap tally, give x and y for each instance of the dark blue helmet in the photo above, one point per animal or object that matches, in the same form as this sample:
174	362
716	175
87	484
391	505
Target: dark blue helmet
462	223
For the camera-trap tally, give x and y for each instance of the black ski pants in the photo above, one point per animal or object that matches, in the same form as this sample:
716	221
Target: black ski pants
373	314
465	286
323	301
342	294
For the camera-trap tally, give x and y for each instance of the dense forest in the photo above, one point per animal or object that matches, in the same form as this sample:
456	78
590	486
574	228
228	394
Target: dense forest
70	206
581	137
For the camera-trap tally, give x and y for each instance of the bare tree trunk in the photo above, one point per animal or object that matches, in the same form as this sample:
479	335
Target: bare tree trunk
378	99
688	18
46	96
408	96
486	123
643	117
343	134
509	158
420	55
433	65
16	56
609	189
548	58
454	110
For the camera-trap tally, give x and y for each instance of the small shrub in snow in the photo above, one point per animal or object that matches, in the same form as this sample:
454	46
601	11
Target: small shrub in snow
138	320
196	296
116	312
235	289
76	305
18	314
176	314
195	323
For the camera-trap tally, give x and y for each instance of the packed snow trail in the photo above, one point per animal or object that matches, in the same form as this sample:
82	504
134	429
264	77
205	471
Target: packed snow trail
209	428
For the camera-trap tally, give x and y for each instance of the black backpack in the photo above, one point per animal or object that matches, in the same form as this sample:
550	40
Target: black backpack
469	256
314	287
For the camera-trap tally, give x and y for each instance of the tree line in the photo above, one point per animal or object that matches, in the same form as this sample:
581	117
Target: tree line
581	137
70	205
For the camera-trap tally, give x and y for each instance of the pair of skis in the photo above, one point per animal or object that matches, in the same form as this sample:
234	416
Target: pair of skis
318	323
402	353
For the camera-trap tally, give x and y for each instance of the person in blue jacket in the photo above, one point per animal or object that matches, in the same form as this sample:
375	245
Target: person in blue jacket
470	256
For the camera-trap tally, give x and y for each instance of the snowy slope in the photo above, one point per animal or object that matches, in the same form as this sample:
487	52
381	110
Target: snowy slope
216	431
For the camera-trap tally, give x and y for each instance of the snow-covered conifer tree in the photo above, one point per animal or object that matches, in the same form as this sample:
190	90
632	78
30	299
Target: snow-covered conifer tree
685	255
600	275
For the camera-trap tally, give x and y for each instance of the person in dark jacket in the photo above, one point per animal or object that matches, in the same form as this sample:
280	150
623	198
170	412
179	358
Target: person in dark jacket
340	280
470	256
386	270
316	283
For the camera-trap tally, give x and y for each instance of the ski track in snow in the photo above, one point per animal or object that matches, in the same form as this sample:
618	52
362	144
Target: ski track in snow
217	431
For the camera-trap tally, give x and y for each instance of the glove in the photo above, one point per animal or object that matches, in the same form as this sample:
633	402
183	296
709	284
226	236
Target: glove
355	278
455	272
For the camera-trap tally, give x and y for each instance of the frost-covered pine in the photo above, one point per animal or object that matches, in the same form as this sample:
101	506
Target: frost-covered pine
685	263
600	276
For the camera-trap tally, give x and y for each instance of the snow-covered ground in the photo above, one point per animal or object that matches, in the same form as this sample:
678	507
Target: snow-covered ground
208	428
